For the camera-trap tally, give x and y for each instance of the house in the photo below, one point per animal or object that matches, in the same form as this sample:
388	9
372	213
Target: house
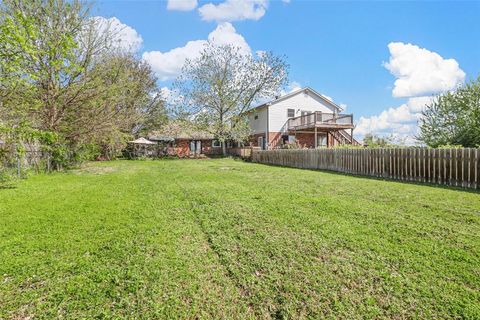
183	140
188	145
303	116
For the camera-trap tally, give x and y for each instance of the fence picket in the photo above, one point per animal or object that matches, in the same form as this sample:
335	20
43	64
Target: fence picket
455	167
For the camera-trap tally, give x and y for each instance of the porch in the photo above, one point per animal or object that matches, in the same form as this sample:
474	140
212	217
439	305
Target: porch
321	120
325	129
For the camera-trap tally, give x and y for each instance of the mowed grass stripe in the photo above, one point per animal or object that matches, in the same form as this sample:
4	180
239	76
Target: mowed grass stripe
121	245
228	239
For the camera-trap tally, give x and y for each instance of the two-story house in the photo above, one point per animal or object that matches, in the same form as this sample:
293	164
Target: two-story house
303	116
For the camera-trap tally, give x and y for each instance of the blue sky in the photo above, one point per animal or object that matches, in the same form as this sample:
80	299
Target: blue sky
337	47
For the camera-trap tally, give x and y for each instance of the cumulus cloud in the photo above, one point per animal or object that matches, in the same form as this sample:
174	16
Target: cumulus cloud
420	71
234	10
167	65
182	5
420	74
123	36
400	121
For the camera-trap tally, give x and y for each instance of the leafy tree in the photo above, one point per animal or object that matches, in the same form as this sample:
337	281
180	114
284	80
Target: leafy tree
61	72
374	141
453	118
224	82
155	116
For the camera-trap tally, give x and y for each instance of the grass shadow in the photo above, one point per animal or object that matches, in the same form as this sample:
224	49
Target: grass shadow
418	183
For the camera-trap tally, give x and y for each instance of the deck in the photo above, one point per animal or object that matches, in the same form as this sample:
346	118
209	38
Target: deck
322	120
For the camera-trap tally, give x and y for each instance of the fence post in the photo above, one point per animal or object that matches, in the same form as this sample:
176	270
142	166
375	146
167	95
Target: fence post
19	171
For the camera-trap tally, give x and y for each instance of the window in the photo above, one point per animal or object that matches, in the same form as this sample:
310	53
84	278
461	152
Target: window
255	117
195	147
260	142
285	138
321	140
216	143
290	113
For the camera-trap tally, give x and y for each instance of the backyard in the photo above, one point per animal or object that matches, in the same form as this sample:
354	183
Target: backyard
224	238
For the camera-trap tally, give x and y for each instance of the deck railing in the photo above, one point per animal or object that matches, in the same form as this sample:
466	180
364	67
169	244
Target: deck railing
318	118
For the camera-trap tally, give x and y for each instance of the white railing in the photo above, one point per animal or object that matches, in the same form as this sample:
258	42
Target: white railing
318	118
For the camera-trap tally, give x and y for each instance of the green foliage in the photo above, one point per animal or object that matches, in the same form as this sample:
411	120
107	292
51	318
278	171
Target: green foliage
292	145
61	75
349	146
373	141
219	86
450	146
453	118
155	117
245	241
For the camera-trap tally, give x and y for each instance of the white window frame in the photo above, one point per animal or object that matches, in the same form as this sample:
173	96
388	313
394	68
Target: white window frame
320	137
215	142
288	110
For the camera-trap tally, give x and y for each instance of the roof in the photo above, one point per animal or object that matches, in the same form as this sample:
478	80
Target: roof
141	141
197	135
288	95
180	130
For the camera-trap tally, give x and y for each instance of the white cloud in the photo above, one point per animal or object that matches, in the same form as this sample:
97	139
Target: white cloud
421	72
167	65
234	10
400	121
123	36
182	5
166	93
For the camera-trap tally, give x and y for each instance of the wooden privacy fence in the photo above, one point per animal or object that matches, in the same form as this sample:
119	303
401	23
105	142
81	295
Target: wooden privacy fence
454	167
244	152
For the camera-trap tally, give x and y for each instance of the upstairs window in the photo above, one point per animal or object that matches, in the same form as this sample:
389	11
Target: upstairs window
255	117
290	113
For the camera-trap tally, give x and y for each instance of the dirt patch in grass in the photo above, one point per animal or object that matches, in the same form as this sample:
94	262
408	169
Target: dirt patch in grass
94	169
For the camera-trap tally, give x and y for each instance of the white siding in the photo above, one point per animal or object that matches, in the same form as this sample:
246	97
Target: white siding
258	125
301	101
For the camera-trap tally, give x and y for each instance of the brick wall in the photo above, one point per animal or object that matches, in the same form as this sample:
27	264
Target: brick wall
182	148
306	139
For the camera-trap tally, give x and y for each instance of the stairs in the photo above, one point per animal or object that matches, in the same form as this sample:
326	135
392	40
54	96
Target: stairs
343	137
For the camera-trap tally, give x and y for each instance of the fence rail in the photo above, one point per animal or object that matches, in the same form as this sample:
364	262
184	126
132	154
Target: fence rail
453	167
243	152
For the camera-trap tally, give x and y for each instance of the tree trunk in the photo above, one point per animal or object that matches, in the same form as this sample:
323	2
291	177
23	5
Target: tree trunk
224	148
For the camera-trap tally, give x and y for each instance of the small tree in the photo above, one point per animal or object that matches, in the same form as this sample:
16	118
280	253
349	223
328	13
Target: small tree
223	83
453	118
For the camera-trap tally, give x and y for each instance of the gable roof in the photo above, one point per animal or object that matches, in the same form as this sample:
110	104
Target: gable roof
293	93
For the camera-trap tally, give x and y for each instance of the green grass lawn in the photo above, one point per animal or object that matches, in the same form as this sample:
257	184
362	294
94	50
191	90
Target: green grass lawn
227	239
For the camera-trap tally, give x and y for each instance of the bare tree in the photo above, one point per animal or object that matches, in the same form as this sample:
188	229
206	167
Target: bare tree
223	83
